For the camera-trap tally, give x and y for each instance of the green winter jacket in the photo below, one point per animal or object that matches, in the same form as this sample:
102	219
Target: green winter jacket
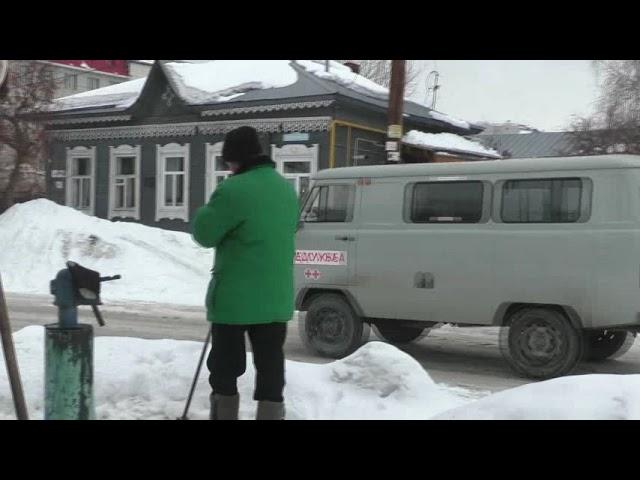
251	221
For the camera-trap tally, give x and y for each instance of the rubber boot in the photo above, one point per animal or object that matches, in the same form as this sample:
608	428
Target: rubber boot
270	410
224	407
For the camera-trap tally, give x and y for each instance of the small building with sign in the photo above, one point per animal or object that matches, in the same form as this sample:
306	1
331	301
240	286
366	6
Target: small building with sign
149	150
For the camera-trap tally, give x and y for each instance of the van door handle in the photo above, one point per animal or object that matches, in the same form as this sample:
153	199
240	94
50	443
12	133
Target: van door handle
345	238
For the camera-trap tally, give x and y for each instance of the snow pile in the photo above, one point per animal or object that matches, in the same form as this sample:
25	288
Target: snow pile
584	397
156	265
447	142
222	80
150	379
378	381
121	95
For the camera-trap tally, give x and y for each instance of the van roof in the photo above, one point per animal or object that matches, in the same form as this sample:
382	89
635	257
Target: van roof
514	165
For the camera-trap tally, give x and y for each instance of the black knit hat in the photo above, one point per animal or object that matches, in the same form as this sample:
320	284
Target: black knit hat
241	146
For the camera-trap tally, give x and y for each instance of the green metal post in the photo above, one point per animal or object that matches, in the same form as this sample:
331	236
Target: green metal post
68	386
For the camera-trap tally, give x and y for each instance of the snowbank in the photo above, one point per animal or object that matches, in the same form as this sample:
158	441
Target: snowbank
448	142
156	265
149	379
584	397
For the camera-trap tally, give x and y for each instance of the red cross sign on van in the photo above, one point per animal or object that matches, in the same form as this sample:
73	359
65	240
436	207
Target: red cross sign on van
312	273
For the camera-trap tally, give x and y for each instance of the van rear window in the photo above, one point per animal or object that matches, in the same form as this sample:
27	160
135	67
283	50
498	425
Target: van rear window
447	202
553	200
329	204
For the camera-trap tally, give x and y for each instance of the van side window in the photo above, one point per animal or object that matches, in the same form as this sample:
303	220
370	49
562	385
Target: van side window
447	202
554	200
329	203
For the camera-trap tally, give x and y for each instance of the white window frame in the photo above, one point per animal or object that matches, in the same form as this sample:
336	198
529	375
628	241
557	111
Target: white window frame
72	154
294	152
211	173
114	154
168	211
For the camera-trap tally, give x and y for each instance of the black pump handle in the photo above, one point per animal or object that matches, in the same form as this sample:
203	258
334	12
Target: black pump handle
108	279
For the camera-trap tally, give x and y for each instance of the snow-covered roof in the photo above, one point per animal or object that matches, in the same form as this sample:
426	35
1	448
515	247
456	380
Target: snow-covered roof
448	142
121	95
213	82
344	76
223	80
196	83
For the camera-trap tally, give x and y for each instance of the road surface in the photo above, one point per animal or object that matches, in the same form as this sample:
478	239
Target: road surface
460	357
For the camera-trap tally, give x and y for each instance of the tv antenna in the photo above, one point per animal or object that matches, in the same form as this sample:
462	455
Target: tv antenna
432	88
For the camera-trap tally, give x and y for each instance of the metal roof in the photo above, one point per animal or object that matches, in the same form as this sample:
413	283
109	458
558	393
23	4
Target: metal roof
529	145
600	162
308	87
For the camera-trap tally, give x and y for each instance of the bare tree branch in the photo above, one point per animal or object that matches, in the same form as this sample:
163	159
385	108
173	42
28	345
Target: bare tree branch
29	88
615	125
379	71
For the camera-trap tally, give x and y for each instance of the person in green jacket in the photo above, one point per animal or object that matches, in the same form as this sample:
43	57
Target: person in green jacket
251	221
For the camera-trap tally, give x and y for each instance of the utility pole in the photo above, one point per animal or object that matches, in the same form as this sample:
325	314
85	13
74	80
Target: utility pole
11	360
396	110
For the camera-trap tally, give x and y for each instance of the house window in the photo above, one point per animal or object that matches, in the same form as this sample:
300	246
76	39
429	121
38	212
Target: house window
216	170
71	82
447	202
81	179
367	152
124	181
93	83
556	200
172	200
296	163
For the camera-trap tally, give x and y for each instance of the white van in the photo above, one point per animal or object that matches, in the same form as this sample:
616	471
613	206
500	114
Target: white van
549	248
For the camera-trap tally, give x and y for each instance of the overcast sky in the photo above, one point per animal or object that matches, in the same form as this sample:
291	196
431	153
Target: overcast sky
543	94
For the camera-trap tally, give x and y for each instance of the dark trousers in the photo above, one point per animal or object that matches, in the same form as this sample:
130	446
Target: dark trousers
227	360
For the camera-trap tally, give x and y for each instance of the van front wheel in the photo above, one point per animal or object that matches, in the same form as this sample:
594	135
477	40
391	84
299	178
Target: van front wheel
331	328
541	343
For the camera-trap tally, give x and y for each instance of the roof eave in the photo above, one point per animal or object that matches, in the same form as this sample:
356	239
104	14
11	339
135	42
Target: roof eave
455	151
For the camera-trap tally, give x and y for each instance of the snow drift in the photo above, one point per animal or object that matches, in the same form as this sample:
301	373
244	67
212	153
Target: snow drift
580	397
149	379
156	265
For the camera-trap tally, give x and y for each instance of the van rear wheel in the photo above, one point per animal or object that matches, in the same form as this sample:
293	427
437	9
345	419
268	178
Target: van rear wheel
398	334
331	328
603	344
541	343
